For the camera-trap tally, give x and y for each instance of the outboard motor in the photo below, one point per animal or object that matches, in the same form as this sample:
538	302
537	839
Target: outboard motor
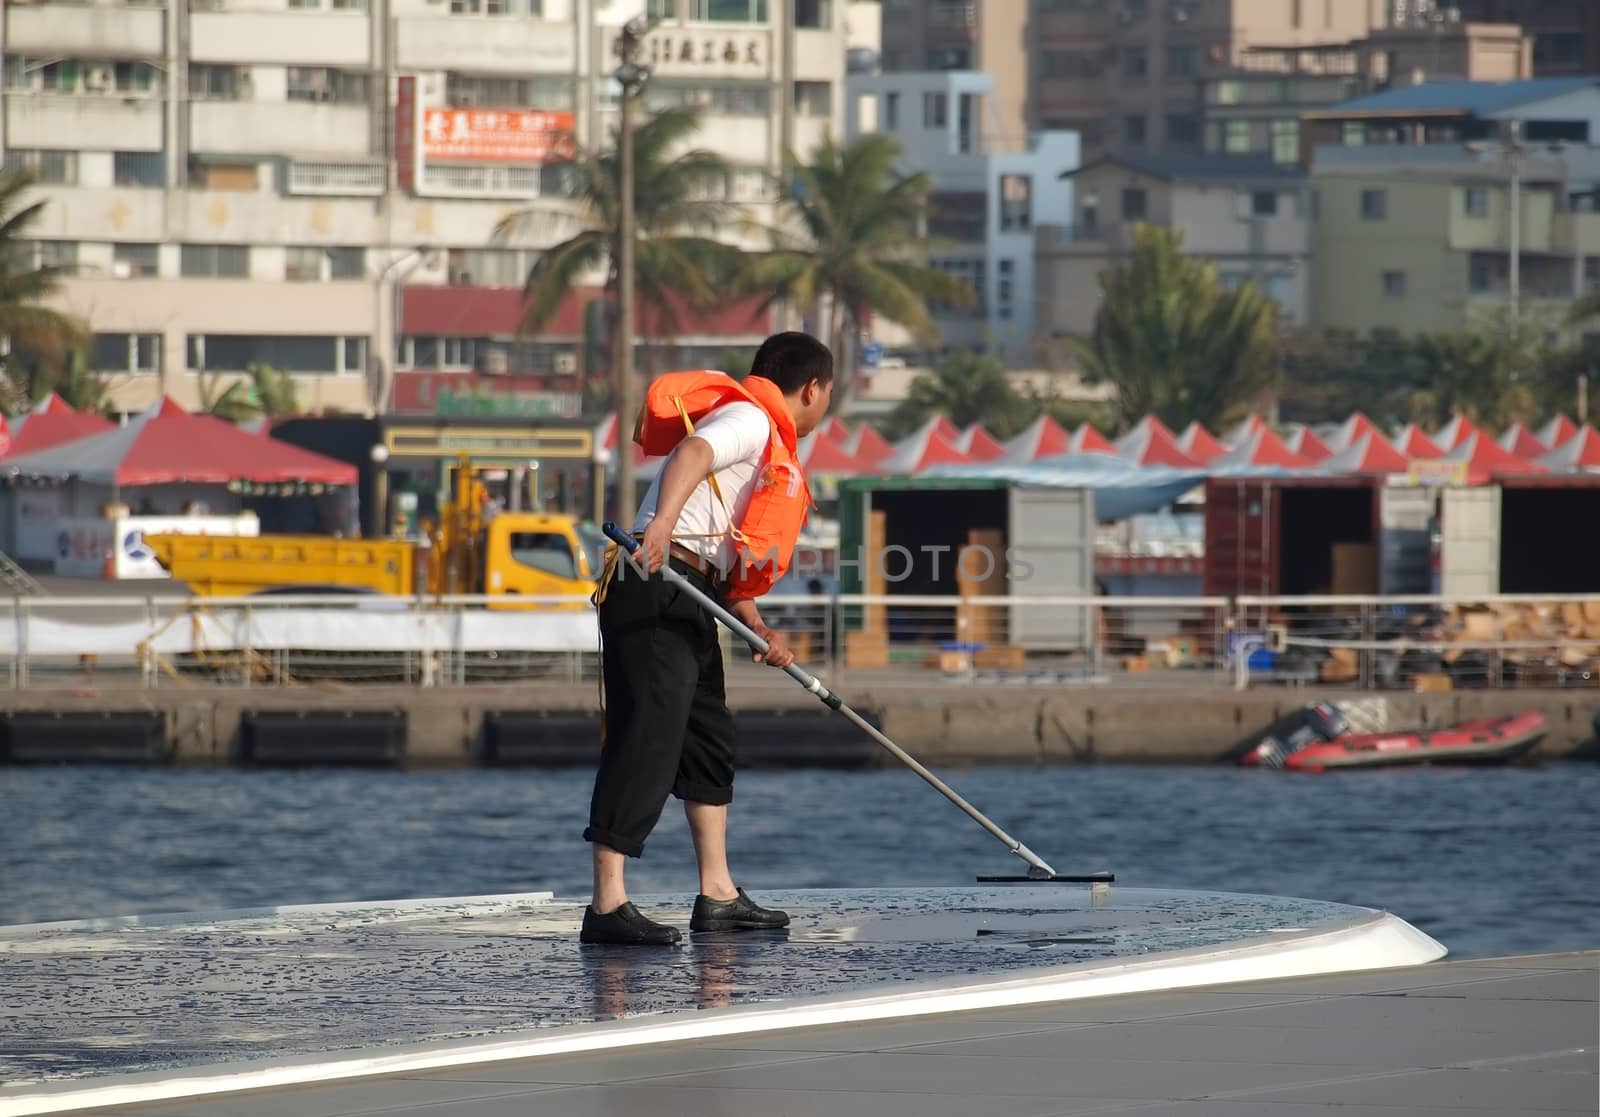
1319	721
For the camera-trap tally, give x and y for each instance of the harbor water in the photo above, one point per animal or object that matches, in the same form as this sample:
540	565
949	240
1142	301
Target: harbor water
1487	861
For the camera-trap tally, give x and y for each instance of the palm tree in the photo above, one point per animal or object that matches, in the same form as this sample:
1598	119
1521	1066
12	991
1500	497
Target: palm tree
266	392
675	257
1173	341
29	327
857	239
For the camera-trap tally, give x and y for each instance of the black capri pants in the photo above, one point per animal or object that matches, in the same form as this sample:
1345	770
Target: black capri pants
668	729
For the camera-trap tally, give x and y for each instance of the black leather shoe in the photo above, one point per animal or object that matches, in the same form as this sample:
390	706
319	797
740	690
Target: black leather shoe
738	914
626	926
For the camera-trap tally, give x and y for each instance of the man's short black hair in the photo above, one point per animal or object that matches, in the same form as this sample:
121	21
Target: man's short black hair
791	360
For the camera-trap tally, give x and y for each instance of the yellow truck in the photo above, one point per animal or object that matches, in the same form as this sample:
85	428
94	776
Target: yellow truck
472	551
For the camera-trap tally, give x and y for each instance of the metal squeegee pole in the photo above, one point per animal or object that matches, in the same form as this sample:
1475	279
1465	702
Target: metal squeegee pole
811	683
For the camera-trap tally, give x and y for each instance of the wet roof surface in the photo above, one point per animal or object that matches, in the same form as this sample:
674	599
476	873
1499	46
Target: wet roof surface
121	996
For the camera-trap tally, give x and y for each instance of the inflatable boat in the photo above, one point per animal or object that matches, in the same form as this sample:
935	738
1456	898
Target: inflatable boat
1317	739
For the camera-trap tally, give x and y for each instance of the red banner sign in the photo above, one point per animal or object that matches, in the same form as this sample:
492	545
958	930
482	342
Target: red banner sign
497	136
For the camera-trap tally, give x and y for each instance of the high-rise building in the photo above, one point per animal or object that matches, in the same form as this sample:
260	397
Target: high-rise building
1566	33
971	35
1127	74
257	181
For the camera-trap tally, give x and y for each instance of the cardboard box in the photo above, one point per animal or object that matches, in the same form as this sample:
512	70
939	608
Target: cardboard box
1434	684
954	663
1136	664
866	649
1003	658
1355	568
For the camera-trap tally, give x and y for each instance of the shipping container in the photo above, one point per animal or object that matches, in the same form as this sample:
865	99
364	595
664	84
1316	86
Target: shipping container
1041	541
1535	534
1291	535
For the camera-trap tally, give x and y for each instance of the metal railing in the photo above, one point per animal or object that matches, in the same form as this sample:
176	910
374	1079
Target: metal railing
854	641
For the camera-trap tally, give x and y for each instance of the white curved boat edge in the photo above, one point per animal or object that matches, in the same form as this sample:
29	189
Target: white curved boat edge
1374	941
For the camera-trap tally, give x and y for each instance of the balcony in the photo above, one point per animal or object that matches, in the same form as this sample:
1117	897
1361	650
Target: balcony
291	38
89	122
279	127
485	44
952	23
86	31
243	217
350	180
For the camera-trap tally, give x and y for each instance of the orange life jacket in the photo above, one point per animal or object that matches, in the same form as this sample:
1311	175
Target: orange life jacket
765	536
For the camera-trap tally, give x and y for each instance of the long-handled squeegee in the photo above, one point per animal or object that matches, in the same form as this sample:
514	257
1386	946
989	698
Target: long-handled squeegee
1038	870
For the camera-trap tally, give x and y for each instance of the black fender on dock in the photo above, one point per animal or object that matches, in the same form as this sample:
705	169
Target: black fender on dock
85	737
540	739
804	739
350	738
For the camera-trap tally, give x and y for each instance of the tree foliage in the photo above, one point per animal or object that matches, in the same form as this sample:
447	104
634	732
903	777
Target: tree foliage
675	211
851	231
39	340
1173	341
973	388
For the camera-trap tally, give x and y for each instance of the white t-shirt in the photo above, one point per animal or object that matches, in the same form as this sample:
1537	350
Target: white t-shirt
739	434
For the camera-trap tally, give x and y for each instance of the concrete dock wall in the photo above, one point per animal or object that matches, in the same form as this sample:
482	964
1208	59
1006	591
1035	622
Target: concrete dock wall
445	727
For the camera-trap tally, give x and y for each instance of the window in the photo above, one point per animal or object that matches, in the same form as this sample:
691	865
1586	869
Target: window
314	264
1374	204
1591	275
214	261
49	168
1133	130
1135	63
1263	203
1236	137
1003	289
1316	205
728	11
48	253
1016	203
139	168
1133	203
1183	60
319	83
891	111
948	58
1475	200
1070	63
813	98
747	99
970	272
1227	92
1285	141
813	13
662	9
127	353
489	267
1394	284
222	176
964	115
93	78
933	110
1182	129
468	91
135	261
313	354
219	83
544	551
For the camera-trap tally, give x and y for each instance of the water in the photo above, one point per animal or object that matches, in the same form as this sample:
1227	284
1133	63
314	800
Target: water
1488	861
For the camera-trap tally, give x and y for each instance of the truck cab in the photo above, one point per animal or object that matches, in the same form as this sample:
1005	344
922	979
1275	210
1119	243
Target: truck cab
537	555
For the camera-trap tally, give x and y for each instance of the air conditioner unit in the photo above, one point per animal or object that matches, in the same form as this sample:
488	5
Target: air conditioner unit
494	363
566	364
99	78
121	269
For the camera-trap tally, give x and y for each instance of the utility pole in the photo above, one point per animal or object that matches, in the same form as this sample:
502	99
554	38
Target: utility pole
1514	153
632	76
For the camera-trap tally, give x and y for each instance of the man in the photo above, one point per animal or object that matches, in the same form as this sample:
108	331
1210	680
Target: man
725	511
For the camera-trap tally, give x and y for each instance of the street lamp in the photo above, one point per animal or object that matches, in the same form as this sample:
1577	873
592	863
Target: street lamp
382	378
1513	150
632	76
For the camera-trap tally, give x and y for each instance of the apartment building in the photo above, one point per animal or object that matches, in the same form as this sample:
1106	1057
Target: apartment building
244	181
988	196
1254	109
1248	216
1421	237
1565	33
1128	74
989	36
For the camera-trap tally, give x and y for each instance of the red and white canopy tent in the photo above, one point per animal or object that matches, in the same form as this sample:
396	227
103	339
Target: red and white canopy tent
1304	441
1200	444
1522	442
1579	452
1042	438
1262	448
1152	443
1351	431
167	445
1087	440
1454	433
50	422
1484	459
1371	453
1556	431
1411	442
927	446
979	445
